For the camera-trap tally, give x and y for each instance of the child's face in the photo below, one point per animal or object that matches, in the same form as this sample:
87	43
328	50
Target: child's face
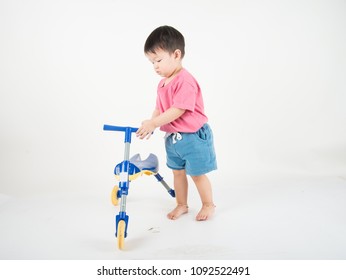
165	64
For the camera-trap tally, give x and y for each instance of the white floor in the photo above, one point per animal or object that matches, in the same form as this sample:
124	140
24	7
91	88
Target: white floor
287	219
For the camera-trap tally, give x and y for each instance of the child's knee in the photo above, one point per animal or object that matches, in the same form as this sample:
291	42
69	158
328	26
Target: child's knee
179	172
198	178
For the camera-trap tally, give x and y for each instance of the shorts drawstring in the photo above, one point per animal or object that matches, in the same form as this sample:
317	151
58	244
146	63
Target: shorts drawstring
176	136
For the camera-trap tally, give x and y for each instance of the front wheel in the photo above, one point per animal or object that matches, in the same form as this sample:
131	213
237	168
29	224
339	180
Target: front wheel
121	234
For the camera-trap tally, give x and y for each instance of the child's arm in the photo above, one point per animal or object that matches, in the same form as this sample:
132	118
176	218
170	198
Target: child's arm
157	120
155	113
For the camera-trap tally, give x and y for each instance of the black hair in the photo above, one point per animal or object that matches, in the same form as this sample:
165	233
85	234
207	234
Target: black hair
166	38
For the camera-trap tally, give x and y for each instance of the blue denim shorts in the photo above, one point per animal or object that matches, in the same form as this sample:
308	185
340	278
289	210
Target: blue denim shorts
193	152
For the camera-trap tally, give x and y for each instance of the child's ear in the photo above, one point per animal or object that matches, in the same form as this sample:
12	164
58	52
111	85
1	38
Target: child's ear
177	54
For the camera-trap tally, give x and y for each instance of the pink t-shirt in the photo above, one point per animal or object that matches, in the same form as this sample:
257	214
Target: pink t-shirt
182	92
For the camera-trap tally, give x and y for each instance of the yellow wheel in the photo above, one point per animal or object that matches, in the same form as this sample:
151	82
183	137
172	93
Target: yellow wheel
121	234
114	195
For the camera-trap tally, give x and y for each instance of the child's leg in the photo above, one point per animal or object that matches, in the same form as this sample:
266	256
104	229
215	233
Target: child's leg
180	188
205	192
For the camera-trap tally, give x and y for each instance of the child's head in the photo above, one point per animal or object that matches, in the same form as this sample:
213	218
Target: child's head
165	49
165	38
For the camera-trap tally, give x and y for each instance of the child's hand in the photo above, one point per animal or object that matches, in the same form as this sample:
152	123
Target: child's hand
146	129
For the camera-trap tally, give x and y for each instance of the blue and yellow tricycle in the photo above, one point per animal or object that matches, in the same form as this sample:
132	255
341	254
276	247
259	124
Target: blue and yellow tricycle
125	172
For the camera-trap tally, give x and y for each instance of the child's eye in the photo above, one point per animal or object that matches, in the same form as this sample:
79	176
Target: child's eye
156	61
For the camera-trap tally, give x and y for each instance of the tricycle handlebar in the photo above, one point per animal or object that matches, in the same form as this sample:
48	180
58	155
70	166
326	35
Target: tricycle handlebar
119	128
127	129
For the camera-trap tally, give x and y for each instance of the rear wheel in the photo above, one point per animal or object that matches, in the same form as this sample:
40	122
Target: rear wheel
114	195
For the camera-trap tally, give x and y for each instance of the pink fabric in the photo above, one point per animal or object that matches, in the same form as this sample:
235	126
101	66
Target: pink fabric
182	92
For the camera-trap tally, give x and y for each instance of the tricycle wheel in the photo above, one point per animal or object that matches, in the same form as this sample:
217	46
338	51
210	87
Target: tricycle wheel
114	195
121	234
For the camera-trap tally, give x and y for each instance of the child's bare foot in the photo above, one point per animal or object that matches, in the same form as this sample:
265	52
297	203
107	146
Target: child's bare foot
206	212
177	212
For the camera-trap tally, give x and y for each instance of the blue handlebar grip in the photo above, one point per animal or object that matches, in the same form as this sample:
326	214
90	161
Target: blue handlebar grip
119	128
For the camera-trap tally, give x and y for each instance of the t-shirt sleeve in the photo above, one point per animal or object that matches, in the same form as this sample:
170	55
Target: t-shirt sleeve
185	96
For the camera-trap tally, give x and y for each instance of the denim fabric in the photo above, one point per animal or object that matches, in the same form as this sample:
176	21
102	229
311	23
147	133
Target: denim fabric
194	152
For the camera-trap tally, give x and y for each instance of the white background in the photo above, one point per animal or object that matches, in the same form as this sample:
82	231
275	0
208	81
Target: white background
273	80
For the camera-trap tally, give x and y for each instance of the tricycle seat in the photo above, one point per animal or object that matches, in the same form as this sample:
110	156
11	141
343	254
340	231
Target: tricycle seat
137	166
